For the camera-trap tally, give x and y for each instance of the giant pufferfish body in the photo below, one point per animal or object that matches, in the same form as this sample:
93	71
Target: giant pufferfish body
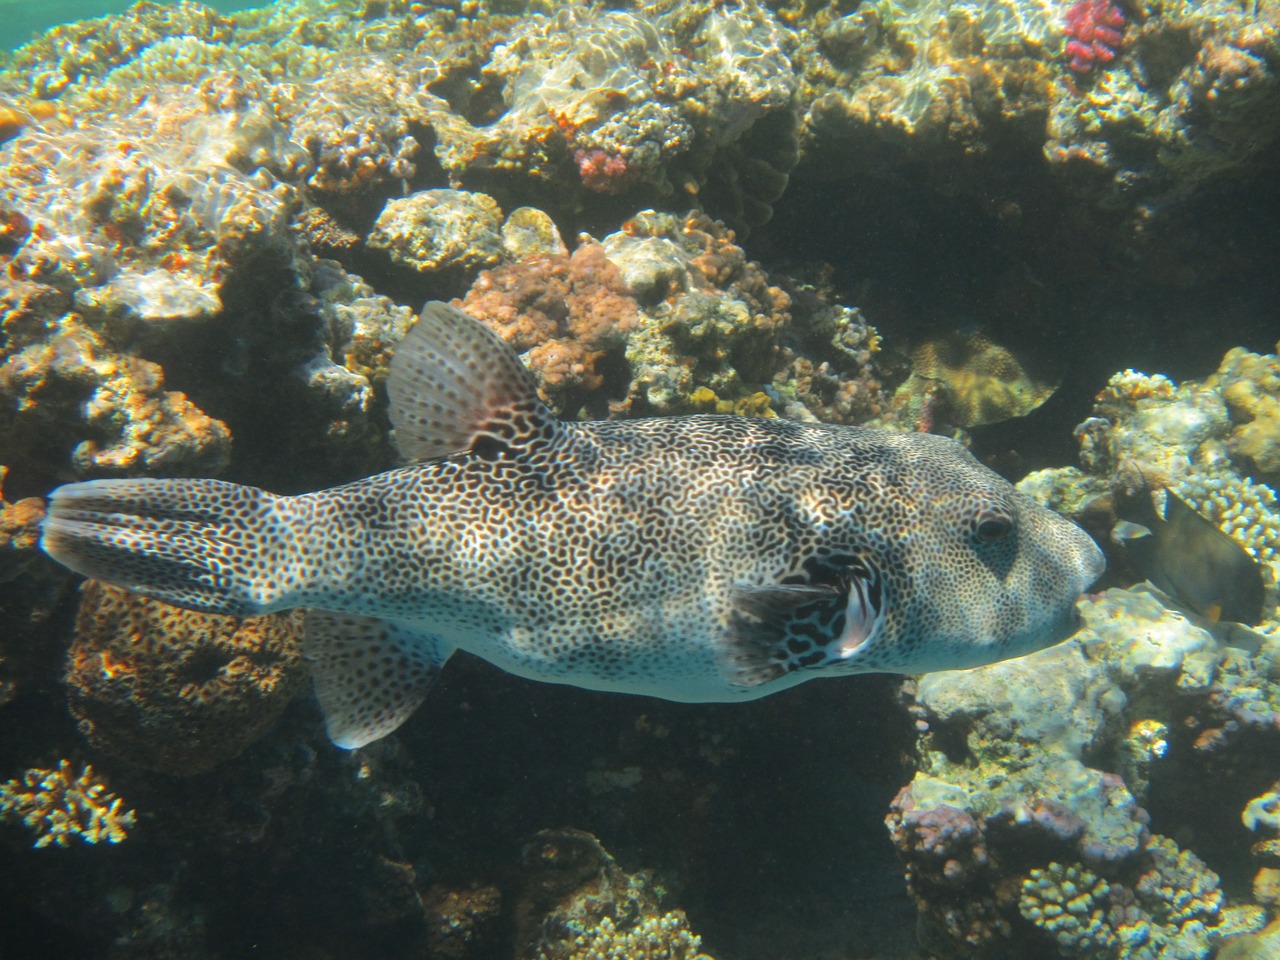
700	558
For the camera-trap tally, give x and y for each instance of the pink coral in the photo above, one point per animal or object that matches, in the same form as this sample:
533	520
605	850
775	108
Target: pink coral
600	170
564	313
1095	31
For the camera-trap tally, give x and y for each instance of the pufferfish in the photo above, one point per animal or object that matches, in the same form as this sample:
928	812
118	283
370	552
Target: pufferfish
698	558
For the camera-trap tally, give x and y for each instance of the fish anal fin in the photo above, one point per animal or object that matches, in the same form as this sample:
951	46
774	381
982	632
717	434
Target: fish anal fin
369	675
454	381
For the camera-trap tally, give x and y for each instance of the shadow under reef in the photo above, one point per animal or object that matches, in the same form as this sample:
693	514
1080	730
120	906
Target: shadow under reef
763	821
1080	290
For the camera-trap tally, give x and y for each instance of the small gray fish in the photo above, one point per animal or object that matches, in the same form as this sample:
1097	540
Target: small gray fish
701	558
1190	559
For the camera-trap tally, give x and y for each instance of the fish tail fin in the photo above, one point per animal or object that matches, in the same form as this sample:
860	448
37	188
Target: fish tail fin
204	545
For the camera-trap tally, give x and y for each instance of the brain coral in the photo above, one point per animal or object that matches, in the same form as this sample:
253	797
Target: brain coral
173	690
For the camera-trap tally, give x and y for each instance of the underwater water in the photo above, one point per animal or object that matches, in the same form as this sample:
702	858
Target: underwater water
23	20
1047	230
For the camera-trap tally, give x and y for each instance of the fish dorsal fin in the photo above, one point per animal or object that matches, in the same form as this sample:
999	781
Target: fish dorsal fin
454	381
776	629
369	675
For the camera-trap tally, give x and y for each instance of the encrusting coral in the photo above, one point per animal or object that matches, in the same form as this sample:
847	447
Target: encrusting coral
440	229
70	397
174	690
61	806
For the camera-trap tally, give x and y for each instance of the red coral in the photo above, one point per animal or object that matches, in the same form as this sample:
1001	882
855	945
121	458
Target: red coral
1095	31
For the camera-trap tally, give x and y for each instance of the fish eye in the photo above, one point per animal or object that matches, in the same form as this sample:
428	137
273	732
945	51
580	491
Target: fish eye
992	526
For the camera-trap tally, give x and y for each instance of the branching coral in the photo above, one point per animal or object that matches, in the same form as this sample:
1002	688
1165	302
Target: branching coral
578	904
1071	903
1172	908
665	937
62	806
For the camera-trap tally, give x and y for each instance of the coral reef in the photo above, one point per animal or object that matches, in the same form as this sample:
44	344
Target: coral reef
78	52
71	402
1198	438
176	182
578	904
668	316
174	690
709	305
459	919
1250	386
29	594
1008	787
440	229
1193	84
151	226
61	806
19	532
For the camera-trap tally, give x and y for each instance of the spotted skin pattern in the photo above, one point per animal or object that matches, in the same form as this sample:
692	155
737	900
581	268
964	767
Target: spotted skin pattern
701	558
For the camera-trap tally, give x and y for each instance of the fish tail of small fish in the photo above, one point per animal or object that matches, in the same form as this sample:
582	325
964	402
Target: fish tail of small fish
204	545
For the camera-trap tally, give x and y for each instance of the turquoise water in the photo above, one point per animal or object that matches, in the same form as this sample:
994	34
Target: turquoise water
20	20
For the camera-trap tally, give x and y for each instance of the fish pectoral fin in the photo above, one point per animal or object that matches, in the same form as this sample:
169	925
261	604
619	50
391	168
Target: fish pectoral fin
760	628
369	675
453	381
776	629
1124	532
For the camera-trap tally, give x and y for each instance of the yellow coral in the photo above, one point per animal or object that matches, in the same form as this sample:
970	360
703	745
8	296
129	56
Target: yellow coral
61	807
1250	385
665	937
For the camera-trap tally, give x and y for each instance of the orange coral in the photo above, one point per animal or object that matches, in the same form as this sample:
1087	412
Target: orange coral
174	690
19	532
